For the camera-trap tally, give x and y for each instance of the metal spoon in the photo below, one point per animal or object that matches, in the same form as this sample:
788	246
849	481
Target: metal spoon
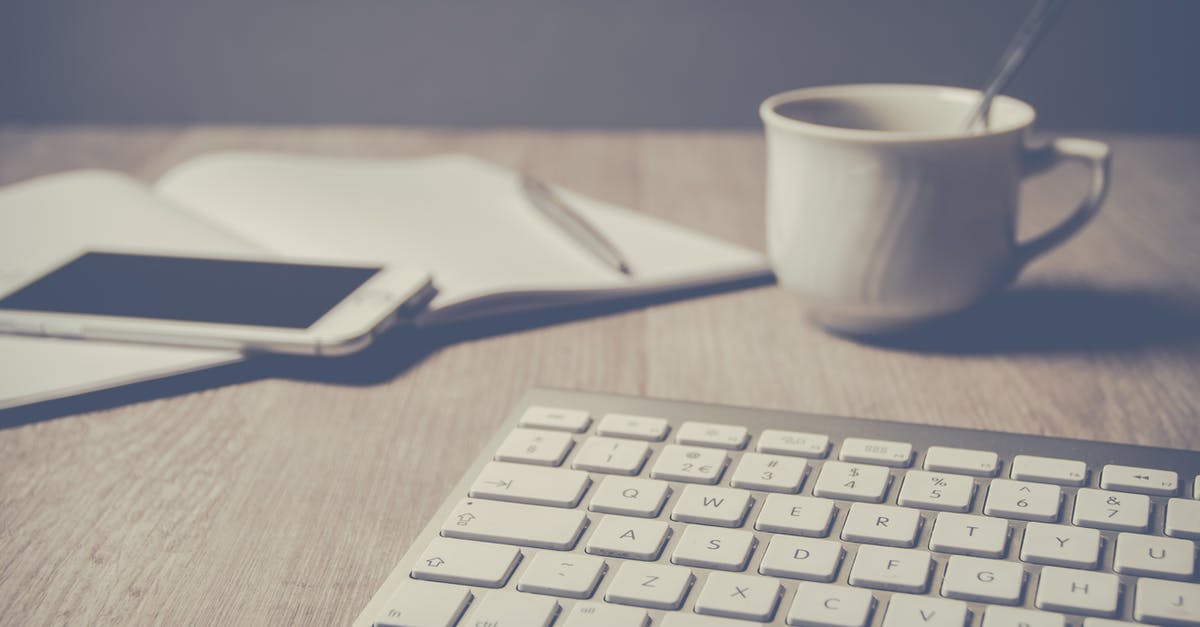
1035	24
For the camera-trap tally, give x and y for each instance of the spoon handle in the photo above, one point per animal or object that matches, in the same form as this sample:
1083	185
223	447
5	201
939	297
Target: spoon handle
1039	17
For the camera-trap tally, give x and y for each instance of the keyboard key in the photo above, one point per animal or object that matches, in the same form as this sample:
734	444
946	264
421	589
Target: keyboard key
827	605
983	580
709	434
1023	500
1107	622
1153	556
567	575
1119	511
591	614
1196	488
422	604
937	490
520	483
535	446
1000	616
611	455
685	619
897	454
557	418
689	463
906	610
724	507
882	524
1183	519
769	473
967	534
512	523
886	568
630	496
635	427
1049	470
466	563
793	443
631	538
1141	480
655	586
797	515
802	558
1078	591
505	607
1171	602
853	482
961	460
739	596
707	547
1061	545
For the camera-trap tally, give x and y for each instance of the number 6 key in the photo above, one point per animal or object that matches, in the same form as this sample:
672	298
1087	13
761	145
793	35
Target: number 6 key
1023	500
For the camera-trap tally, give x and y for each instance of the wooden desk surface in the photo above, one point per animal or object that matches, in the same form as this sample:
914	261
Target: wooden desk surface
286	495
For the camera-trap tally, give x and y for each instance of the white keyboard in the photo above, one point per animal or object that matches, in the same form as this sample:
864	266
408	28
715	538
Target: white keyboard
591	510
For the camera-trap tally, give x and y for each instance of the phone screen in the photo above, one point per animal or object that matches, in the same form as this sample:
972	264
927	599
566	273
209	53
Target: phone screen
197	290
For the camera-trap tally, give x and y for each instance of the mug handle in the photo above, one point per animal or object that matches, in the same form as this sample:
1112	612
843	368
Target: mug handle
1037	159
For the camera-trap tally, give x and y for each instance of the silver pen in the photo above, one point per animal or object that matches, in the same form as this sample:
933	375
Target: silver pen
564	217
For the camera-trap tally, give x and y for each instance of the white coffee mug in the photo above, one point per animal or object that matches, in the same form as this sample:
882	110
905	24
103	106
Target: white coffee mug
882	212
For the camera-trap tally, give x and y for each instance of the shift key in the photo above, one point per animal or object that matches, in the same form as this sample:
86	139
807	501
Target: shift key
512	523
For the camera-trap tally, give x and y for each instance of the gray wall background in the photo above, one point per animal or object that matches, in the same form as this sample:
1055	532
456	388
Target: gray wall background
1113	64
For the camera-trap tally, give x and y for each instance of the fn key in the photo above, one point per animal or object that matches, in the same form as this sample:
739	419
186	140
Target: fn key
423	604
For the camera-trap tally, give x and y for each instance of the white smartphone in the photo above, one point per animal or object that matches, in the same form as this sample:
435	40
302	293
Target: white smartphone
265	304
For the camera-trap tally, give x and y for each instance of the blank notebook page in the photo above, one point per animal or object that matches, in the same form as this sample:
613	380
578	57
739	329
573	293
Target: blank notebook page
463	219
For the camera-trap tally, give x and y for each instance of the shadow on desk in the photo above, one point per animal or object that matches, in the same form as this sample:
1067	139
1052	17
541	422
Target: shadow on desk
1029	320
1047	319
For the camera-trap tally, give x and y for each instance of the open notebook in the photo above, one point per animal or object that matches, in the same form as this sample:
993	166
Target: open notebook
490	252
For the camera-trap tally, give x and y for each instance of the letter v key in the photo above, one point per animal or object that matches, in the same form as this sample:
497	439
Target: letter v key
905	610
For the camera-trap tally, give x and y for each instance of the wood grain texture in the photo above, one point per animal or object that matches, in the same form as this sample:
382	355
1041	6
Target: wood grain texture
287	495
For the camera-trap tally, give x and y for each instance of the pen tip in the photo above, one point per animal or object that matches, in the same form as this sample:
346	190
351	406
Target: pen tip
625	269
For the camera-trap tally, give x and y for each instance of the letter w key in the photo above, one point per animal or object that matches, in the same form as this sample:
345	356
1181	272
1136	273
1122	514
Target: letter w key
724	507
